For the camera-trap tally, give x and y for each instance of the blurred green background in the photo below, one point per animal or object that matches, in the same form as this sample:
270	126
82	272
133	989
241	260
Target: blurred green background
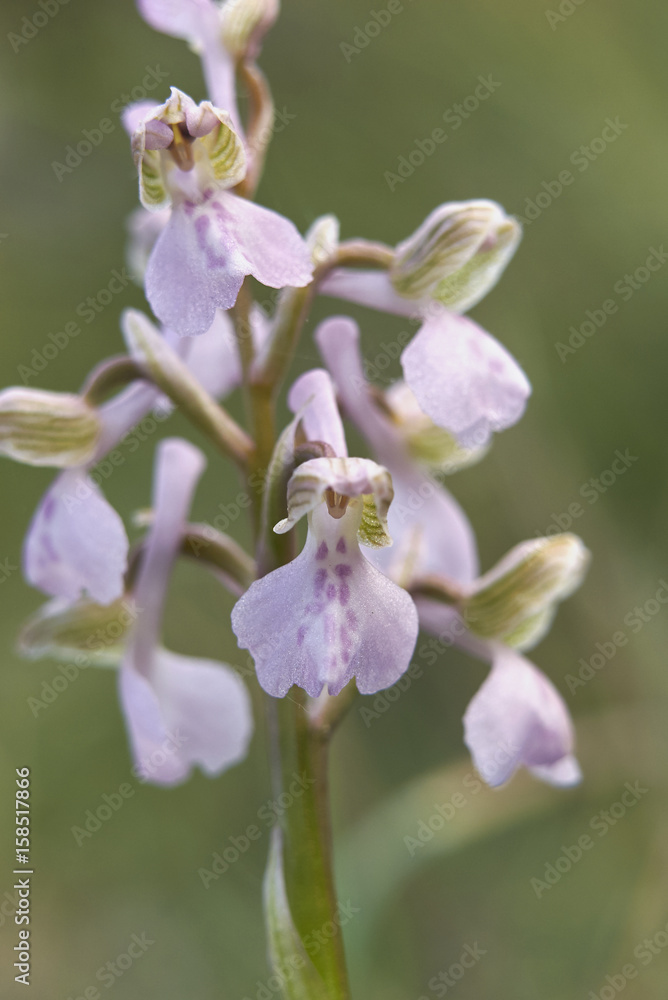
355	115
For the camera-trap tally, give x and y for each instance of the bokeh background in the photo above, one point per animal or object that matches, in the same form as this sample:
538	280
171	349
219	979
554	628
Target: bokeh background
355	114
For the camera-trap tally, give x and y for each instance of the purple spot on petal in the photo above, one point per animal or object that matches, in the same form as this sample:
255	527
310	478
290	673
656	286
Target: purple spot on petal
323	551
344	593
319	581
213	259
301	632
331	592
343	569
341	545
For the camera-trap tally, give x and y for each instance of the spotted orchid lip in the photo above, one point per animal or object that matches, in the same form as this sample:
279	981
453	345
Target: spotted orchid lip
327	616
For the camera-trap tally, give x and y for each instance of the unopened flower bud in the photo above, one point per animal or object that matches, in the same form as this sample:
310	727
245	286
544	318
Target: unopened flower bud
516	601
431	445
322	238
81	631
47	428
244	25
457	255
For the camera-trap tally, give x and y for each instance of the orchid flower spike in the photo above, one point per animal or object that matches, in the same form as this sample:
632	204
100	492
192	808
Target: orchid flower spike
180	711
329	615
189	156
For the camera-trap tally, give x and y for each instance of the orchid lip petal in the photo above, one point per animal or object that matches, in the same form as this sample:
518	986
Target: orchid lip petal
200	259
518	718
76	542
327	616
189	712
464	379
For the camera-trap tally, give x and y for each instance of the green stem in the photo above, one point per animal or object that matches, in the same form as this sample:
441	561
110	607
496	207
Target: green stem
294	305
111	374
298	749
307	840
